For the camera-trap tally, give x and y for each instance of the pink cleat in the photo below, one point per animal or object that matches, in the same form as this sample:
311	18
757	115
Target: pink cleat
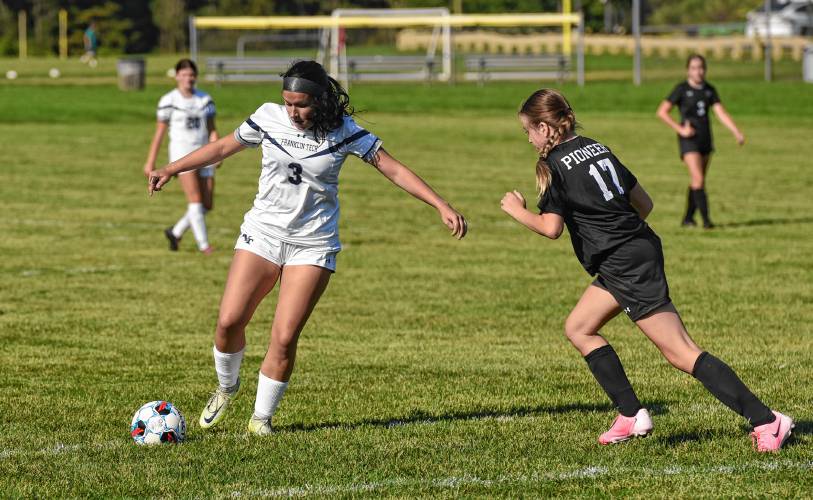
771	437
625	428
208	251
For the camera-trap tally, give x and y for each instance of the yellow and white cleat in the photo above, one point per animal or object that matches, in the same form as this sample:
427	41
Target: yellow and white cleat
259	427
216	406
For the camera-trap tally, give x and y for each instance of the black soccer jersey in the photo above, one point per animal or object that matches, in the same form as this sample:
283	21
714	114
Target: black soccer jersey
590	189
694	105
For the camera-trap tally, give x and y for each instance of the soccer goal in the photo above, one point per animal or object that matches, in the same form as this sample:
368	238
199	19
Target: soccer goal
394	45
363	45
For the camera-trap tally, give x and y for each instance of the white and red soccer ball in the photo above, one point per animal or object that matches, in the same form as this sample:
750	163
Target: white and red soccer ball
158	422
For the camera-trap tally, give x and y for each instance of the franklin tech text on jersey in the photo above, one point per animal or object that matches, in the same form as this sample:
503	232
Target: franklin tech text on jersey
583	154
298	145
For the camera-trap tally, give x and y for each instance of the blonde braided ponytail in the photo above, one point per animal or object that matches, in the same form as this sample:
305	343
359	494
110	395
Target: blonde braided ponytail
550	107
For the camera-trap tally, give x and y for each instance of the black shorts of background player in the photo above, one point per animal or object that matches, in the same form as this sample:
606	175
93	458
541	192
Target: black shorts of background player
694	97
583	185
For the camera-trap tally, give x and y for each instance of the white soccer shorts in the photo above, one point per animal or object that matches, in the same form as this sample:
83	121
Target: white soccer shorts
283	253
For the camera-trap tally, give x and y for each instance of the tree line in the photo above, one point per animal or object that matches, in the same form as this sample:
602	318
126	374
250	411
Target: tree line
161	25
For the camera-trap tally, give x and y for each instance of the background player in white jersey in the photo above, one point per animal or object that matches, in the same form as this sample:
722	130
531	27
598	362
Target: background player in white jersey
189	115
694	97
291	232
583	185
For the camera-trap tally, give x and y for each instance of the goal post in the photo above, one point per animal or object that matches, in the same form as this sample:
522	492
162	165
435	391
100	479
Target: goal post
436	18
439	20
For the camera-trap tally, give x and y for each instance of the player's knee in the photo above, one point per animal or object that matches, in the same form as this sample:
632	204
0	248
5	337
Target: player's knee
577	328
283	339
230	321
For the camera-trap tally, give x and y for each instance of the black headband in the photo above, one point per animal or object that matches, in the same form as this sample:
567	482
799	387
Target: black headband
297	84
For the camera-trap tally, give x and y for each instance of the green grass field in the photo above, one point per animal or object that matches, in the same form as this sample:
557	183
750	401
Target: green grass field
431	367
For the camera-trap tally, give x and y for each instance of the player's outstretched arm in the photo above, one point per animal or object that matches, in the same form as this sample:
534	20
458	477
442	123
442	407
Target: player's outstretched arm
549	225
724	117
406	179
157	138
207	155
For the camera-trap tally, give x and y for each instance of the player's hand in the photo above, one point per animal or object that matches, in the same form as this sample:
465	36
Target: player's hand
686	131
512	202
454	221
157	179
739	138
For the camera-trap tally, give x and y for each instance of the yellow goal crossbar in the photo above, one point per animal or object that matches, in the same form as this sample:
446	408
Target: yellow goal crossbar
454	20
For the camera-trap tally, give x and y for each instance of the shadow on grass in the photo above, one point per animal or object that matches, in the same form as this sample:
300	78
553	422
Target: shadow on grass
766	222
683	437
802	428
421	417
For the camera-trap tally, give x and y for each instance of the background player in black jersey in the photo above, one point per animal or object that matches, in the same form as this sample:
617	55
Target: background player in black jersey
584	186
694	97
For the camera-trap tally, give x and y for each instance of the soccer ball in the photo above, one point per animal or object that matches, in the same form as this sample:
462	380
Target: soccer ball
158	422
54	73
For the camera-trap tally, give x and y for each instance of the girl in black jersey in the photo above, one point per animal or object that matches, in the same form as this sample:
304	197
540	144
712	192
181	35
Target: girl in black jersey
584	186
694	97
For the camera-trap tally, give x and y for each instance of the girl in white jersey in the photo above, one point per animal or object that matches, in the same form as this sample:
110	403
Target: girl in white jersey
189	115
291	232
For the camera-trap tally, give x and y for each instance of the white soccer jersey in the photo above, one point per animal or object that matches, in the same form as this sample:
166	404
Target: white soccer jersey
297	200
187	121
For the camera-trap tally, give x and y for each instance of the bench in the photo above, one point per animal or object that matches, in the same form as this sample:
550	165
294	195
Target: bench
391	68
247	69
482	68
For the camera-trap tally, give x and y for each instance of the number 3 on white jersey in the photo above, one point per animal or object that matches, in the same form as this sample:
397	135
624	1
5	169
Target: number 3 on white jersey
607	166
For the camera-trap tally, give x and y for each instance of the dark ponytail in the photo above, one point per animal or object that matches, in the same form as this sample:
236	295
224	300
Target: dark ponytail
332	105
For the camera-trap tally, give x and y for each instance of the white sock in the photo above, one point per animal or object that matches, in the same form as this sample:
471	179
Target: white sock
181	226
227	366
195	213
269	394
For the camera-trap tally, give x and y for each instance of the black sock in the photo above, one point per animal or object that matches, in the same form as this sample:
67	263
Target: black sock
726	386
609	373
702	203
690	207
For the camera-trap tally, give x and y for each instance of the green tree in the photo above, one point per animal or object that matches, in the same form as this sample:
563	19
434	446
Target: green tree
170	17
114	31
8	31
700	11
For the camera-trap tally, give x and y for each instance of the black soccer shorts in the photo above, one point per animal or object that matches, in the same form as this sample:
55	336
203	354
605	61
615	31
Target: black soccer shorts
633	273
700	143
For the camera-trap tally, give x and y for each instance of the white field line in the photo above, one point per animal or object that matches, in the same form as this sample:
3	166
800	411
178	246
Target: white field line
59	449
447	483
455	482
